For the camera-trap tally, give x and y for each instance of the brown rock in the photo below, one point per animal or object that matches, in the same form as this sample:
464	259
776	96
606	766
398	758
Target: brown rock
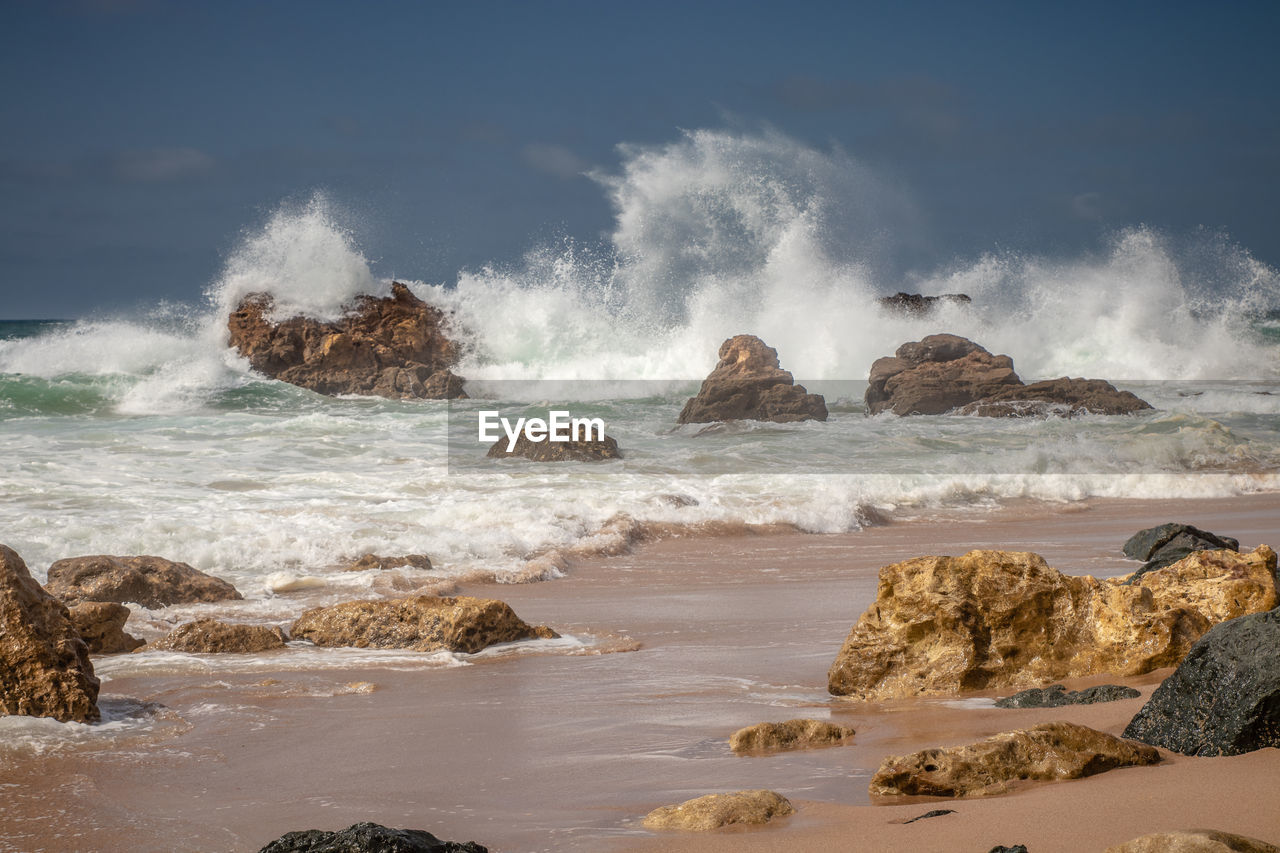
793	734
149	581
999	619
374	561
1061	396
423	623
1194	841
391	347
44	665
1047	752
209	636
749	384
580	450
716	810
101	625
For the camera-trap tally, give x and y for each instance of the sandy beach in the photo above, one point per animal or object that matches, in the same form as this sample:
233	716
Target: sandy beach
686	640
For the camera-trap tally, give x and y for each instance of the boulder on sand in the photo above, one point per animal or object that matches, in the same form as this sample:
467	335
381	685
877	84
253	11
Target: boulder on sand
101	625
793	734
716	810
749	384
389	347
149	581
1055	696
1194	841
1168	543
44	665
368	838
209	636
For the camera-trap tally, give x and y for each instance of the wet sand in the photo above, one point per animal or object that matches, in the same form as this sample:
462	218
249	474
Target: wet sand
569	751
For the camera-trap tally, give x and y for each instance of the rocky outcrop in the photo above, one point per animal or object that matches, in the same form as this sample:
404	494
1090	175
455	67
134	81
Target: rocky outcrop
942	373
918	305
1048	752
368	838
1224	698
391	347
1056	696
422	623
1001	619
793	734
749	384
1167	544
1194	841
101	625
209	636
716	810
149	581
44	665
373	561
574	450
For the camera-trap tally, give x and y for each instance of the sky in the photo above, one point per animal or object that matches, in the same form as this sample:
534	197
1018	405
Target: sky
141	140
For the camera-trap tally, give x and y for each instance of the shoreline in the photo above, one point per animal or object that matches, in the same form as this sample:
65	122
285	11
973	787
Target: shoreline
568	751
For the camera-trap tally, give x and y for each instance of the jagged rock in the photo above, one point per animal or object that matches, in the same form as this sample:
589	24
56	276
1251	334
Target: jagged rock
793	734
999	619
1056	696
391	347
716	810
918	305
44	665
423	623
579	450
1224	698
374	561
101	625
209	636
942	373
1001	848
1161	546
368	838
1194	841
749	384
149	581
1050	751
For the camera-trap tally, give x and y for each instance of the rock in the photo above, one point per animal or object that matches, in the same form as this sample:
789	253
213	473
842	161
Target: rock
942	373
1047	752
101	625
1057	696
149	581
368	838
749	384
1194	841
793	734
44	665
1000	619
1224	698
372	561
716	810
929	814
917	305
391	347
1167	544
209	636
577	450
1000	848
423	623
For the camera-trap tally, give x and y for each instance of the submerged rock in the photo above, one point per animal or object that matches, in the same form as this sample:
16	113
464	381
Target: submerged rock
391	347
577	450
1224	698
1056	696
101	625
1063	396
793	734
1194	841
368	838
1167	544
716	810
374	561
1048	752
148	581
422	623
44	665
209	636
992	619
918	305
749	384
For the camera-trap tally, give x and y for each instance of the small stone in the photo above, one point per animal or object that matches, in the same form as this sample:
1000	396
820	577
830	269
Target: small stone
793	734
716	810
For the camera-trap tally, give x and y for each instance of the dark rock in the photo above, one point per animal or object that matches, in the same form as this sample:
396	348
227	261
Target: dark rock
1167	544
1057	696
149	581
934	813
209	636
579	450
1000	848
918	305
1057	396
749	384
368	838
1224	698
391	347
101	625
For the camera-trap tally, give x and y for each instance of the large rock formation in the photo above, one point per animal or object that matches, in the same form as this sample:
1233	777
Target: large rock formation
999	619
101	625
209	636
368	838
1194	841
1047	752
793	734
44	665
390	347
918	305
1224	698
716	810
149	581
749	384
1056	696
574	450
1167	544
942	373
423	623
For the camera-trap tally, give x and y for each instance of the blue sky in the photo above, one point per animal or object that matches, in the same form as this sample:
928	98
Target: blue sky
140	139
